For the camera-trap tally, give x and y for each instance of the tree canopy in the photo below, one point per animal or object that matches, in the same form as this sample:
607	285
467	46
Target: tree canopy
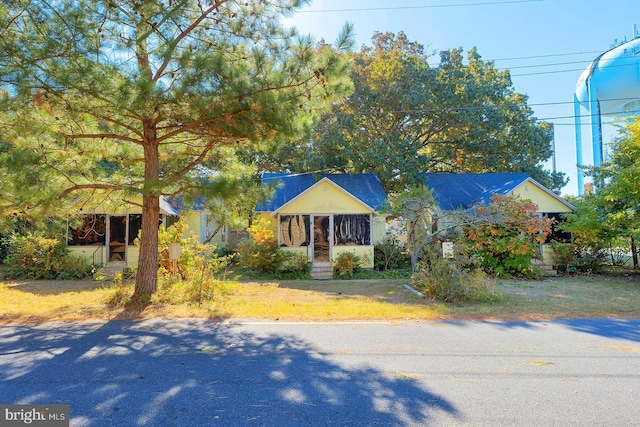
407	116
130	100
613	211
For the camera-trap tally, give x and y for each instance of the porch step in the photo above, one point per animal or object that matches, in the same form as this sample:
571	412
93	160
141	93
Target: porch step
109	271
546	270
322	271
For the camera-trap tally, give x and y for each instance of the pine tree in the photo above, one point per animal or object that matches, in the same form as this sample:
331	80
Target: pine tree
126	100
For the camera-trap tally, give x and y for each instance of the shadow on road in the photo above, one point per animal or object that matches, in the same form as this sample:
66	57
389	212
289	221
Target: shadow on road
627	329
197	373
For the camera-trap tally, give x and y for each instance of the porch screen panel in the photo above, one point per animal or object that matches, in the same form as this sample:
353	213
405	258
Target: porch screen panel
559	236
352	229
135	225
88	230
294	230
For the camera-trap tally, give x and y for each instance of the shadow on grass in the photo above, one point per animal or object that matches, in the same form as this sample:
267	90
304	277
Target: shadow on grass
194	372
55	287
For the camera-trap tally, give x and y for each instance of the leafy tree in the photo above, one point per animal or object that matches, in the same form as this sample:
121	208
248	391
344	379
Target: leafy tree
418	208
117	101
406	117
507	236
614	210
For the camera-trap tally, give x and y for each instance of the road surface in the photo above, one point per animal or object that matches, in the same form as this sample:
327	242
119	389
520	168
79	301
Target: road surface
204	373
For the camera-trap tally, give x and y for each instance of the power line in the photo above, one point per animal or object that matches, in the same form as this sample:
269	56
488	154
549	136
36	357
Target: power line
517	58
434	6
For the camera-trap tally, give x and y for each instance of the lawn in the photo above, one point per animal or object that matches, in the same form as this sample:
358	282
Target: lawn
559	297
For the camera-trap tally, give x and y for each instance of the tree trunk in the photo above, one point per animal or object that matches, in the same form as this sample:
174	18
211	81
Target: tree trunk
634	252
147	275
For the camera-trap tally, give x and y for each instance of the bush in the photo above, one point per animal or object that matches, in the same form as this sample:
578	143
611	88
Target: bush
389	255
295	264
35	257
506	236
197	261
455	279
570	259
191	292
347	264
260	252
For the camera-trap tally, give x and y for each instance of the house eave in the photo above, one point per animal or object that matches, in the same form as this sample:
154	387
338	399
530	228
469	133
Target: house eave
324	180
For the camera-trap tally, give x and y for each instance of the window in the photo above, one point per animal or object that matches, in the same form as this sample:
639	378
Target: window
88	230
352	230
294	230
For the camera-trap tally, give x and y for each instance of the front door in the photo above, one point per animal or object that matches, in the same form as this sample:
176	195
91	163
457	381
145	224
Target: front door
117	238
321	238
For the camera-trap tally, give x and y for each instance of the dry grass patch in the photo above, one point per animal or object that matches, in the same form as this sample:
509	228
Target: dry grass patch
562	297
329	300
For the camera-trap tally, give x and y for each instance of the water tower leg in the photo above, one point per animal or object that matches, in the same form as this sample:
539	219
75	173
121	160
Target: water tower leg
578	126
596	126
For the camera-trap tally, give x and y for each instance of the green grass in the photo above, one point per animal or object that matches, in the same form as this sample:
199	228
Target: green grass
308	300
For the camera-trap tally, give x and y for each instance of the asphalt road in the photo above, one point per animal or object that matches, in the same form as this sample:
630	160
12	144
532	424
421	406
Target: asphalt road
202	373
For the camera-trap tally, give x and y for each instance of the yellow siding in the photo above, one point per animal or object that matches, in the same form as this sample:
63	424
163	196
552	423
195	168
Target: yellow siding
87	252
273	221
364	252
133	254
545	201
379	228
192	220
325	198
548	255
302	251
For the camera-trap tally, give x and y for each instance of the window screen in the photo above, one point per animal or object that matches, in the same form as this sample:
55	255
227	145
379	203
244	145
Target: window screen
88	230
352	229
294	230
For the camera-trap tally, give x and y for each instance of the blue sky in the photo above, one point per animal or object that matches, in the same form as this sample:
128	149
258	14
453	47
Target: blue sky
545	43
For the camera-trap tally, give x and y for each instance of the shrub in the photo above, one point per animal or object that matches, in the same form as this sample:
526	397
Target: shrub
455	279
295	263
346	264
192	292
570	259
35	257
506	236
197	261
563	255
389	255
260	252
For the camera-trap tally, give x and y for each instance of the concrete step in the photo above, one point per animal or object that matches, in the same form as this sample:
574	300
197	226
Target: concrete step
110	271
322	271
545	269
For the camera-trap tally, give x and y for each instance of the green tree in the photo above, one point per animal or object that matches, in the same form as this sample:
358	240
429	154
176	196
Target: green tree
614	210
419	209
506	236
406	117
114	100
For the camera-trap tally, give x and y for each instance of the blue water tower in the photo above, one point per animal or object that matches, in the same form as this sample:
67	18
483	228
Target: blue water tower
609	86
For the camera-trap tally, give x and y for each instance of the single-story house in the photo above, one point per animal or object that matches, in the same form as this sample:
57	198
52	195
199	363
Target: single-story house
321	217
453	191
107	238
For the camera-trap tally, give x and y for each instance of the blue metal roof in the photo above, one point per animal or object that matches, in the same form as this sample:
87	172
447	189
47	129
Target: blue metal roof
365	187
464	190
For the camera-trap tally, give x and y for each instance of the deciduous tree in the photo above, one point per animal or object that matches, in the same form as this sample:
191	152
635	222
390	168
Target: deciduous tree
407	116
